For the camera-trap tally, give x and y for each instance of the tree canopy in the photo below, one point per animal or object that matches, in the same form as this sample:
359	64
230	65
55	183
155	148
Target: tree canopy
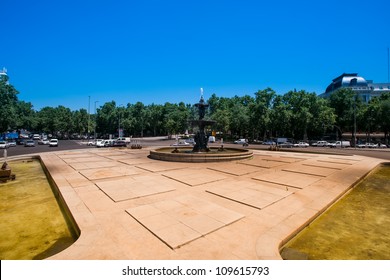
262	115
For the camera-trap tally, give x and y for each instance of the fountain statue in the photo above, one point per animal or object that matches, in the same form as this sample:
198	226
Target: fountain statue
201	152
200	136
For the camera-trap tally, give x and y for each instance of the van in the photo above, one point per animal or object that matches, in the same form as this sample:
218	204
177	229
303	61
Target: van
340	144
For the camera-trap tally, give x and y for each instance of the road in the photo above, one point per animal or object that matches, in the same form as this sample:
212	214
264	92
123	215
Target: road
76	144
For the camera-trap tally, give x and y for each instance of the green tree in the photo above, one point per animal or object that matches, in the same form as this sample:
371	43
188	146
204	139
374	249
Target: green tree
8	102
106	119
260	112
26	116
81	121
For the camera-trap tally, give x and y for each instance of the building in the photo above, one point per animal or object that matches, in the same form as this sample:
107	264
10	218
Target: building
3	75
364	89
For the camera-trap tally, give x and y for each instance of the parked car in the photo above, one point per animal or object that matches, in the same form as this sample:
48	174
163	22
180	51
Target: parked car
211	139
301	145
120	143
36	137
340	144
53	143
191	141
99	143
320	144
3	145
286	145
241	141
29	143
43	142
108	143
11	143
181	143
382	146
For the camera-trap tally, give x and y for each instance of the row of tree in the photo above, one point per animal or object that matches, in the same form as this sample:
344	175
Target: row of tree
263	115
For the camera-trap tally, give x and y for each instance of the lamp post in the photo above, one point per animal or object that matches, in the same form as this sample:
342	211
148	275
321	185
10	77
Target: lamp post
119	122
95	122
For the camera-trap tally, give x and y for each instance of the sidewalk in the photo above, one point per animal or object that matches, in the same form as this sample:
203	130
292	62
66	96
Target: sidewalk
128	206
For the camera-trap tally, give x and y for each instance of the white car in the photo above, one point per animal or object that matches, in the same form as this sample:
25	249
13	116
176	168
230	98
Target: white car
181	143
53	143
240	141
100	143
301	145
3	145
43	142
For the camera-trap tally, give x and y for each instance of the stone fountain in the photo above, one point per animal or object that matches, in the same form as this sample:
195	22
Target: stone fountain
201	152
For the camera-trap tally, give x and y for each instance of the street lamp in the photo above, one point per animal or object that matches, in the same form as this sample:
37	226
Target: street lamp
119	123
95	122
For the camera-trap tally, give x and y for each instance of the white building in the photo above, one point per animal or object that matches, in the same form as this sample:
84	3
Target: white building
365	89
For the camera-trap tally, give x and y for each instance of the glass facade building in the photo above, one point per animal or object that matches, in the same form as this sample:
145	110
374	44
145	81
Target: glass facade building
364	89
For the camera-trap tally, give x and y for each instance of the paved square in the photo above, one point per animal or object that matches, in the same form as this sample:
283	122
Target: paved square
181	220
128	206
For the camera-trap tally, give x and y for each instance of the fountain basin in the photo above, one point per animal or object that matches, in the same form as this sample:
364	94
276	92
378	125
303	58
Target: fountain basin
185	154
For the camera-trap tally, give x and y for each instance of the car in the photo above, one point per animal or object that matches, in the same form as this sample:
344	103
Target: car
241	141
212	139
269	142
99	143
371	145
12	143
29	143
181	143
340	144
286	145
20	141
382	146
53	142
191	141
108	143
301	145
361	145
92	142
43	142
120	143
320	144
36	137
4	145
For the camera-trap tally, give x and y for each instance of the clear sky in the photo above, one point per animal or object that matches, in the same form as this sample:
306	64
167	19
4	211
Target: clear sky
74	53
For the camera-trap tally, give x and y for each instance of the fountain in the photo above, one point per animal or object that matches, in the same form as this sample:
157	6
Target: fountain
201	152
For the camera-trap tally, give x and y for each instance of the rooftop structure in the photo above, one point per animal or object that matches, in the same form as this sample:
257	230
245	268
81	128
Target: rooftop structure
365	89
3	74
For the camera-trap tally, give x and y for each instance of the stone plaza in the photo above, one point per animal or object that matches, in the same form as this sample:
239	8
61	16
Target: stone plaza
128	206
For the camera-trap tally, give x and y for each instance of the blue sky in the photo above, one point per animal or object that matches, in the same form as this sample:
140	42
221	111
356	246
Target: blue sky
74	53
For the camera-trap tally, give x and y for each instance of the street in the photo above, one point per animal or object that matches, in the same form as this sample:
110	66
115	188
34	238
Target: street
147	142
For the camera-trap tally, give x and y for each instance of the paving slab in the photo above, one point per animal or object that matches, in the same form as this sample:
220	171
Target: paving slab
194	176
180	220
289	179
133	187
250	192
109	172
